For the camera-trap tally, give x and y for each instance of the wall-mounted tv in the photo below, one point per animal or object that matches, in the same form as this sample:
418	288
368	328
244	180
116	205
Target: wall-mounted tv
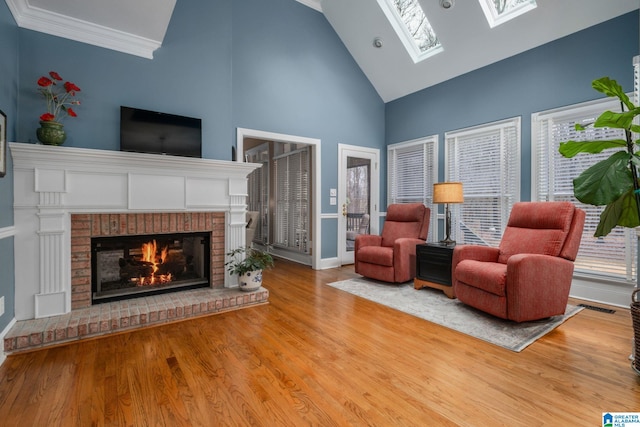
144	131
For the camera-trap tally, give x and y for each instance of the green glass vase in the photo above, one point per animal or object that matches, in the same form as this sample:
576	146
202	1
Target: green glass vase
51	133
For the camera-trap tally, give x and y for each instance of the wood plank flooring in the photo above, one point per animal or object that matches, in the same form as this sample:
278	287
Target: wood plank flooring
318	356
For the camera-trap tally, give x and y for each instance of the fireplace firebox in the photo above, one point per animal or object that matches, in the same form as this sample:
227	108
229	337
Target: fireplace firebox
125	267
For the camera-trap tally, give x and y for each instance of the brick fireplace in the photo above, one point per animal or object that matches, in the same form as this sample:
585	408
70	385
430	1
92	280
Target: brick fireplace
84	227
63	196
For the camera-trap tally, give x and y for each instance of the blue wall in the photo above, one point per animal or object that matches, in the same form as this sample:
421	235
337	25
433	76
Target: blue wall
8	104
299	79
553	75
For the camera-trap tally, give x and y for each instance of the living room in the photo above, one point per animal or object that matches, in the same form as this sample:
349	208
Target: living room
235	65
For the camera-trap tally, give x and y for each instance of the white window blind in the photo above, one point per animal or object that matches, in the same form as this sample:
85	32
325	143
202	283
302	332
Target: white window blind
258	191
486	159
614	255
292	200
412	169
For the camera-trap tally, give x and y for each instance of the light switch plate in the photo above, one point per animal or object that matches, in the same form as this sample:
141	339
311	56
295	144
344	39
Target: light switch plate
333	201
333	192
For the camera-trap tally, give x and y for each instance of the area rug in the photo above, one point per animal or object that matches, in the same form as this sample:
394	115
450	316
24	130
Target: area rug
434	306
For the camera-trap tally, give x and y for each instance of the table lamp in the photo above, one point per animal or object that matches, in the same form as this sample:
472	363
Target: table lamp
447	192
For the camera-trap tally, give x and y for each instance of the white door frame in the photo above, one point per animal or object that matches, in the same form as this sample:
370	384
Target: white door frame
242	133
373	154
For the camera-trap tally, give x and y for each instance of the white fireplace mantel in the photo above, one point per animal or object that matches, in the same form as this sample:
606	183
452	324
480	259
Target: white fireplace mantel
51	183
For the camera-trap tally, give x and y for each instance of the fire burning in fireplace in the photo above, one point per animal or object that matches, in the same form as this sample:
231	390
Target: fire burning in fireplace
151	261
129	265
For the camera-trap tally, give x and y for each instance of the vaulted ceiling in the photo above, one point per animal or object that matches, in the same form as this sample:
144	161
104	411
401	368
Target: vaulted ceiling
138	28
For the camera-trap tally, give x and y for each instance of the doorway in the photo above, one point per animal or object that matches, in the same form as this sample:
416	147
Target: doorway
358	196
292	241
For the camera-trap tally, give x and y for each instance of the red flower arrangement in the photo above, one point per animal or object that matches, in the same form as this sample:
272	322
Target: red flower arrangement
58	101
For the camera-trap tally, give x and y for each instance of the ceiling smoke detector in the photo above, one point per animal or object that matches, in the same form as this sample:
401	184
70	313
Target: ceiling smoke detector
446	4
377	42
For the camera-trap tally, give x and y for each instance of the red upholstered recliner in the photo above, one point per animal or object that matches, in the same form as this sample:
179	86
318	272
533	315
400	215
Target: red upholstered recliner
528	276
391	257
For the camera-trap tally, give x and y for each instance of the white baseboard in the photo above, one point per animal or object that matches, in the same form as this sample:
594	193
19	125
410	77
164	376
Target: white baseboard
602	291
326	263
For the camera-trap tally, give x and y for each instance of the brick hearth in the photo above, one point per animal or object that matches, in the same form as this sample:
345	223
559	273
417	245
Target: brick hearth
103	319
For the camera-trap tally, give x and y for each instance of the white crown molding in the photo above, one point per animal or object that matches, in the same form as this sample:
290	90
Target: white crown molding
313	4
37	19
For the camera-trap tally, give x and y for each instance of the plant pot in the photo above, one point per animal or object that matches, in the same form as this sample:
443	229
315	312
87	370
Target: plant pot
250	281
51	133
635	317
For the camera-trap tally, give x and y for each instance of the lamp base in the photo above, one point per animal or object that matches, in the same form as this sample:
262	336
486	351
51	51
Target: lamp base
448	242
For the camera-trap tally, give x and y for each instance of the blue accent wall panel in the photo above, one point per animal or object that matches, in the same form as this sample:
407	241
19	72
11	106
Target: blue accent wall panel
190	75
553	75
293	75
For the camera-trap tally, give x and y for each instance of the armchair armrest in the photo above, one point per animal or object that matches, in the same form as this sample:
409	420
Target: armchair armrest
474	252
363	240
535	283
404	258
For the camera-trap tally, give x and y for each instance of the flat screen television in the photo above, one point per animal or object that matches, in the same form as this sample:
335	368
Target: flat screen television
144	131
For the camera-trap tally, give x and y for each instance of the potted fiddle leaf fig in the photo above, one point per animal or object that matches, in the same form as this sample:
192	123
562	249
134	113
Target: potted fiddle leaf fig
248	264
612	182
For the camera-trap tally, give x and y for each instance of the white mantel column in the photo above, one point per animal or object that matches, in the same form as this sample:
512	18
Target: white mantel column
54	295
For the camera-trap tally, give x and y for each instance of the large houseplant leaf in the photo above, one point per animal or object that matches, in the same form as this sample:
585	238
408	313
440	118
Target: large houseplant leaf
616	120
604	182
611	88
622	212
571	148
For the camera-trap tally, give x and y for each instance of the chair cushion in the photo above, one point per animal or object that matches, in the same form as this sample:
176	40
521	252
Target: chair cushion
536	228
380	255
394	230
488	276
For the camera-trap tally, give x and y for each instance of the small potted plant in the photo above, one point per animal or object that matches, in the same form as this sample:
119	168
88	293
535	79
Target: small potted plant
248	264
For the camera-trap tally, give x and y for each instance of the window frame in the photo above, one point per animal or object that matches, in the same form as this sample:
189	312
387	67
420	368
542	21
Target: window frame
429	175
509	186
545	119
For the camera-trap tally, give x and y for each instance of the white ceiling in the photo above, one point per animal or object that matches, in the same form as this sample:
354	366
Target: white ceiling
464	33
138	27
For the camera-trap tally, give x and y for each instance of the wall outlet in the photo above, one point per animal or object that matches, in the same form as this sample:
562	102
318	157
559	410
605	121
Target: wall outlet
1	306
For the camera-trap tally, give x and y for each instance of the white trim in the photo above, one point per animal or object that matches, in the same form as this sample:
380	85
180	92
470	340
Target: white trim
5	331
242	133
7	232
48	22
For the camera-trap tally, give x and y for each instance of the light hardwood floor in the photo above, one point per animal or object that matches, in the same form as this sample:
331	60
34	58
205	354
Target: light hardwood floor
318	356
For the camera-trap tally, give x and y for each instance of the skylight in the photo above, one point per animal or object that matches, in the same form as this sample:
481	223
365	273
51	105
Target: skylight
501	11
412	26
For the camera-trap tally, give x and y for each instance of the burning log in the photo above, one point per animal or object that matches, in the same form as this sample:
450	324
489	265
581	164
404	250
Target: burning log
131	268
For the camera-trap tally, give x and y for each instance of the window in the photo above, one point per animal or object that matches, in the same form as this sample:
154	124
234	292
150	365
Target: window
613	256
500	11
412	26
412	169
486	159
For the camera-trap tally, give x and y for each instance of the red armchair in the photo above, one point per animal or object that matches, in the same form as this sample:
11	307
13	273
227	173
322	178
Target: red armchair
391	257
528	276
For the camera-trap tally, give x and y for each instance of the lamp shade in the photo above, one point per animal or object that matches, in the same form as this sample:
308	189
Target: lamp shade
448	192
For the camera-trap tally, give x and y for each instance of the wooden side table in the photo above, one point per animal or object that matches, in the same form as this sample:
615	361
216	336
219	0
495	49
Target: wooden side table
433	267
